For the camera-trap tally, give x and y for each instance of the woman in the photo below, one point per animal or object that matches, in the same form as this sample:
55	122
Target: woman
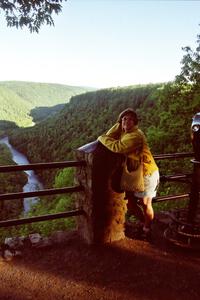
126	138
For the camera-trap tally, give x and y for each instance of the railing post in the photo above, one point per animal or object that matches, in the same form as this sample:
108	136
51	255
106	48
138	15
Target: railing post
193	207
103	204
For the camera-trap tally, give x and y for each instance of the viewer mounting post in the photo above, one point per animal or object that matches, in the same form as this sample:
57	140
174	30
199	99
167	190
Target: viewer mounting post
195	187
184	230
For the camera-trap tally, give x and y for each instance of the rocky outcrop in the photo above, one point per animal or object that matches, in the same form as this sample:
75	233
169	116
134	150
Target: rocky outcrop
15	246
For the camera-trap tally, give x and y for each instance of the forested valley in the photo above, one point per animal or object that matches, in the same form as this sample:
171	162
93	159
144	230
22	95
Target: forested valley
165	109
21	101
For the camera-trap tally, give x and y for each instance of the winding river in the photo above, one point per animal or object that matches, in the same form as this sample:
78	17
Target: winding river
33	183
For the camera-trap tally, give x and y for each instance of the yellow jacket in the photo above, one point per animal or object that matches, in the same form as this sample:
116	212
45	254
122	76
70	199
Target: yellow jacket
133	144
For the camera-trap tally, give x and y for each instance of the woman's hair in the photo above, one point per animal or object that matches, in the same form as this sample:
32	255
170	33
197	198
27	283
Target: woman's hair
128	111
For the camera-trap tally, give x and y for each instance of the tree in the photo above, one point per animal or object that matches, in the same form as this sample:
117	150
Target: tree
190	71
30	13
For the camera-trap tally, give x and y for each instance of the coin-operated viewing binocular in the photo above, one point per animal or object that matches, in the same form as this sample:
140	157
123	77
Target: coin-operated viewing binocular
195	135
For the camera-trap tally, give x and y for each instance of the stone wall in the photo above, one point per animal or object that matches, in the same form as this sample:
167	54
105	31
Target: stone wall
102	200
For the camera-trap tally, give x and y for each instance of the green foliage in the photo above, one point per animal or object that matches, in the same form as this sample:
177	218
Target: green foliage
40	113
165	110
190	72
31	14
10	183
6	126
51	205
13	107
81	120
25	102
64	177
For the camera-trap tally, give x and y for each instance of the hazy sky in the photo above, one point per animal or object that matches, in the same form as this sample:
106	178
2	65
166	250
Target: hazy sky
101	43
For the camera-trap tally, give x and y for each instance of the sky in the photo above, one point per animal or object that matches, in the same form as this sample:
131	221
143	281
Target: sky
101	44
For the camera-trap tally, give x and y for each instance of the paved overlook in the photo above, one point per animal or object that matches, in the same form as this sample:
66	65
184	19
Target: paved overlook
73	270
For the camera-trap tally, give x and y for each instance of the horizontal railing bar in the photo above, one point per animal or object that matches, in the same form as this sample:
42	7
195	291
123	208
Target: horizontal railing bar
50	165
54	191
173	155
67	214
73	163
170	197
175	177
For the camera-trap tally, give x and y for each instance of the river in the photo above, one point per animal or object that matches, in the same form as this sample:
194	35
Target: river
33	183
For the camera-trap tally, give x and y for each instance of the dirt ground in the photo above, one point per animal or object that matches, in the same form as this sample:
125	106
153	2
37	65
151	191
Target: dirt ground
127	269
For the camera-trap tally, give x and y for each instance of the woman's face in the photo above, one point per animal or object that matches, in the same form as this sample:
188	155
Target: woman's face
127	123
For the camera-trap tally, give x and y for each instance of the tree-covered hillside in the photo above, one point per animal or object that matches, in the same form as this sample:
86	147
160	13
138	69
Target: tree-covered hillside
13	107
81	121
18	99
165	113
165	118
41	113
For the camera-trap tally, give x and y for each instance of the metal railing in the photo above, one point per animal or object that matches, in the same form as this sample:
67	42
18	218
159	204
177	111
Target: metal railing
79	188
173	155
175	177
54	191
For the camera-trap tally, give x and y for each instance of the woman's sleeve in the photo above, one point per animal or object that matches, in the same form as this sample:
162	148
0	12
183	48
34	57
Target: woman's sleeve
130	142
114	131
